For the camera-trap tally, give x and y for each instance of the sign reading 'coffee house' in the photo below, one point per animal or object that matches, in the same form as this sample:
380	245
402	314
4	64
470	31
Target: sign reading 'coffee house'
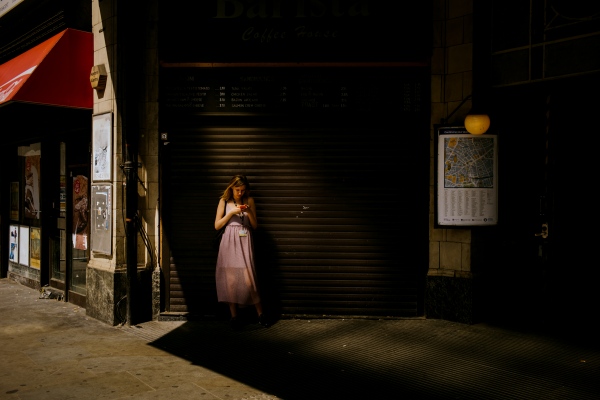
294	30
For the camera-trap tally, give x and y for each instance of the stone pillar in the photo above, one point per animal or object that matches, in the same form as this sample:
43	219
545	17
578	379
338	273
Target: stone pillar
449	288
107	273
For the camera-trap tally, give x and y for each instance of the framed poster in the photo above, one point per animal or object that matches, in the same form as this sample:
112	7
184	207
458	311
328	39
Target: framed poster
14	201
23	245
466	178
102	147
35	247
31	195
13	244
101	211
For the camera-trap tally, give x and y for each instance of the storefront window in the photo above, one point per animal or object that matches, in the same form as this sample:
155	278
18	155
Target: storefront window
26	227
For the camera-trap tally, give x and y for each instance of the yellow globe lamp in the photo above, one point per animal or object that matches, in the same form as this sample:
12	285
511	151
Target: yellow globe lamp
477	124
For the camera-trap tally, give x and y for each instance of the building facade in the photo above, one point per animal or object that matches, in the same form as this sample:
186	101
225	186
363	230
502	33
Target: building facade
332	109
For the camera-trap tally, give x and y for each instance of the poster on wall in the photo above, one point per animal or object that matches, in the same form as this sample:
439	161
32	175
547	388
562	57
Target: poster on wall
13	244
35	247
466	178
23	245
80	212
31	194
14	201
101	214
101	147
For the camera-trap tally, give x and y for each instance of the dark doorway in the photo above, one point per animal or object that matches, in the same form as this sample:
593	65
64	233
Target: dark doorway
544	275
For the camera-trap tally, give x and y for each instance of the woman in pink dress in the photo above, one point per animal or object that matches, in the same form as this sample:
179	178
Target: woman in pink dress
235	273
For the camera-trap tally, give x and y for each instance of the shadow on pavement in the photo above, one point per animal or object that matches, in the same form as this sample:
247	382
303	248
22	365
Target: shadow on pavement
380	359
290	364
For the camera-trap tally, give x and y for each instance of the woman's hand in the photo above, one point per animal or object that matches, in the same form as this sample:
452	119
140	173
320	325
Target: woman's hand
239	209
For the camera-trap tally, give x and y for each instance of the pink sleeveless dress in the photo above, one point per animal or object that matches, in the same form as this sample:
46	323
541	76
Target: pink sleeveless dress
235	273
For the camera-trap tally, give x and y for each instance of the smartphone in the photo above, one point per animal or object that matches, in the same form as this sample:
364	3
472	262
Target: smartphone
243	207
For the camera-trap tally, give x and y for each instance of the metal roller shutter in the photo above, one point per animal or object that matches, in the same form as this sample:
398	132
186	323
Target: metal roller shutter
342	202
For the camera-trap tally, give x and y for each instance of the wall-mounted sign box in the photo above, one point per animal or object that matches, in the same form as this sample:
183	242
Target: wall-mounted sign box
98	77
466	178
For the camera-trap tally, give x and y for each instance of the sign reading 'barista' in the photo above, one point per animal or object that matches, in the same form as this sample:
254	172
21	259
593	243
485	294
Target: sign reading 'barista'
294	30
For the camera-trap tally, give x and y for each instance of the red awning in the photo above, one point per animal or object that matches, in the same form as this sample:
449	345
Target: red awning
55	72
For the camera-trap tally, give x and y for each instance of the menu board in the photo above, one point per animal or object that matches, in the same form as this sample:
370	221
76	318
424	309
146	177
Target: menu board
239	90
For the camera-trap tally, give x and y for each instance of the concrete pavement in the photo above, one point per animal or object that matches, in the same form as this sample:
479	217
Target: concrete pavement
51	350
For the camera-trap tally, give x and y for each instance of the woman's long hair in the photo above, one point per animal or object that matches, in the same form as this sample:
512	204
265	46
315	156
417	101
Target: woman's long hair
236	180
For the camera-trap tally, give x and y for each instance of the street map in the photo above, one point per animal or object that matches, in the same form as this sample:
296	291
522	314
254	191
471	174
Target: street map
468	162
